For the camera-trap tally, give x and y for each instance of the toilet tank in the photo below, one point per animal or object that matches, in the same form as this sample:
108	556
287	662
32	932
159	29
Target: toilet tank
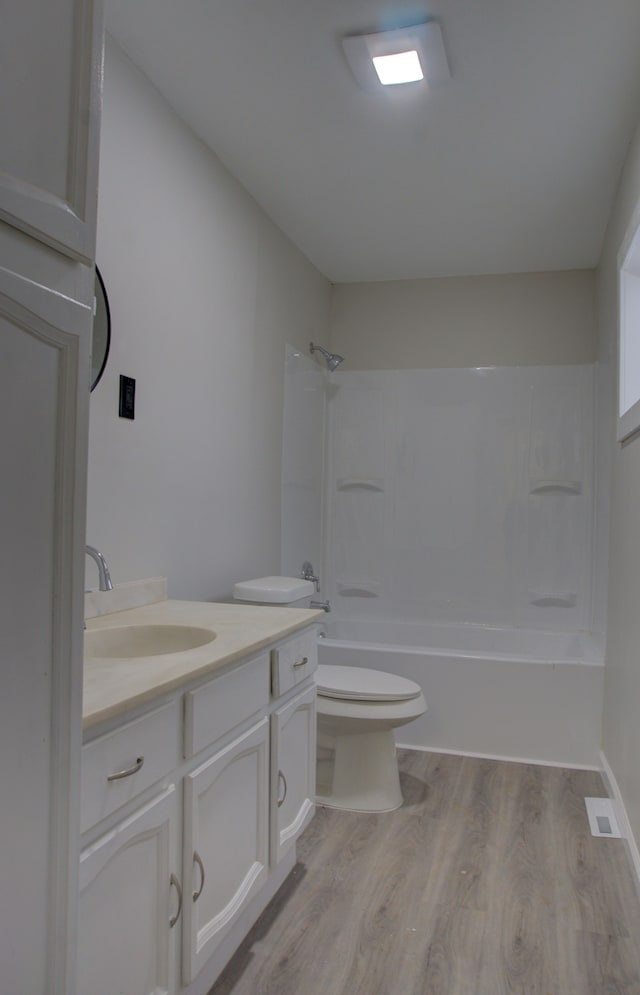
292	592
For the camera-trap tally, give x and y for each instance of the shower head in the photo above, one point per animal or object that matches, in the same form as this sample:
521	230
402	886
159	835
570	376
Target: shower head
331	358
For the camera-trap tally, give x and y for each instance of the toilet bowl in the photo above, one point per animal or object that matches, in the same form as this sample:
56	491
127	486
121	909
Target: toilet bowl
358	709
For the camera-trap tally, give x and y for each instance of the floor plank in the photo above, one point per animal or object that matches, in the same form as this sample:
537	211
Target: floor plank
486	882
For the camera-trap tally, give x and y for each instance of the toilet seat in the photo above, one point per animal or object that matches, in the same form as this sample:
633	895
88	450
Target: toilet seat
362	684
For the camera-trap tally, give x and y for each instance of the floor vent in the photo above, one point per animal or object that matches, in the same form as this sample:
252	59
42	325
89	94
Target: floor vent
602	817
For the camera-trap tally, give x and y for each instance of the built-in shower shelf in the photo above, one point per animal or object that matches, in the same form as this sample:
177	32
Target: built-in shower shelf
553	599
555	486
360	483
357	590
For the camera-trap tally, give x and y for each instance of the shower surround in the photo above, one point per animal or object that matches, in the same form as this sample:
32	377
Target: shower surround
459	524
462	496
458	518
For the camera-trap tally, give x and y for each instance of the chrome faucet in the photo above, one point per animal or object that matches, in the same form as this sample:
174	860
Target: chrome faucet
325	605
307	574
104	576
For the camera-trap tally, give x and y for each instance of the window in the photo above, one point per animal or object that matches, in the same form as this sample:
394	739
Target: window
629	331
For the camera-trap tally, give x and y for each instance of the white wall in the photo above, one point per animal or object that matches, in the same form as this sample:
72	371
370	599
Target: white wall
204	292
510	320
621	735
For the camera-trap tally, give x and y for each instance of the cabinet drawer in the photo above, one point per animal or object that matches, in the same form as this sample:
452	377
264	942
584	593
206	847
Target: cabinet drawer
293	661
213	710
141	752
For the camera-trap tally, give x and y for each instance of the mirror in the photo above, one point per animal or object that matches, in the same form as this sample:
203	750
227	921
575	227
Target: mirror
101	331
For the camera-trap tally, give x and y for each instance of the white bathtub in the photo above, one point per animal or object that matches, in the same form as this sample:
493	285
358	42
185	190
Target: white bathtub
518	694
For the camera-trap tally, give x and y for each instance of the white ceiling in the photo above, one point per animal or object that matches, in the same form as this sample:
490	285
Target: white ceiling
511	167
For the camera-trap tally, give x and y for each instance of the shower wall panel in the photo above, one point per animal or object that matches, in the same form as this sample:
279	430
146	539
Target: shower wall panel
462	495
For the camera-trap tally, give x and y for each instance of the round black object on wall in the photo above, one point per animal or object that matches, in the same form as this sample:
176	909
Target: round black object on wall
101	331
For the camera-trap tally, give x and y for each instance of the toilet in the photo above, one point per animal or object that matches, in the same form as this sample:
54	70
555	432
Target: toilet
288	592
357	709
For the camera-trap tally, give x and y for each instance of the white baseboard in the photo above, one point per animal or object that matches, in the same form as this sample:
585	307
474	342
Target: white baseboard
493	756
621	813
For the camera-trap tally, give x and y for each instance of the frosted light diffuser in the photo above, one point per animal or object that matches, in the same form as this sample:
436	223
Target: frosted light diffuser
401	68
421	45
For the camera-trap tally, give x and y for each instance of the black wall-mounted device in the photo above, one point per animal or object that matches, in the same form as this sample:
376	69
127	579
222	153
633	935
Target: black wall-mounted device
127	397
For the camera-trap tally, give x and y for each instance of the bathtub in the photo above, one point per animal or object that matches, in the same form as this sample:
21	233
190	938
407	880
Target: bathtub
513	694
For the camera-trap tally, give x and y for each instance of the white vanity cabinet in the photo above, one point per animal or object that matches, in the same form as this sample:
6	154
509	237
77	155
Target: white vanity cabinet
129	901
293	770
117	767
183	851
226	812
130	875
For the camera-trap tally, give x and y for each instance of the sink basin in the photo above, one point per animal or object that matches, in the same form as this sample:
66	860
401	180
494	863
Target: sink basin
144	640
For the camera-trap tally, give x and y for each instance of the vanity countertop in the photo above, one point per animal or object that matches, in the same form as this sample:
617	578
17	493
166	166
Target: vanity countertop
113	686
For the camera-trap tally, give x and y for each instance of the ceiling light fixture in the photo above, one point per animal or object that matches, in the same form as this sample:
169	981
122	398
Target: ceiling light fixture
401	68
404	55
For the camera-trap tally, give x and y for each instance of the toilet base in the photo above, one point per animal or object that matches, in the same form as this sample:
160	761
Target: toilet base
364	776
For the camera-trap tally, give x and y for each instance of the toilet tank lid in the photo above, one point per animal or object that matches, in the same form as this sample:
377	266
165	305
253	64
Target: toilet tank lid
274	590
362	684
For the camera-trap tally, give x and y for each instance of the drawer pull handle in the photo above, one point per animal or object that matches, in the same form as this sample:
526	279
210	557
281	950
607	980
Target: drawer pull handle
176	884
127	773
301	663
197	859
284	781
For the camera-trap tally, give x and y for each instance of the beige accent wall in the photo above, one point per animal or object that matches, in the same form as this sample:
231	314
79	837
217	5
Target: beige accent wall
511	320
621	726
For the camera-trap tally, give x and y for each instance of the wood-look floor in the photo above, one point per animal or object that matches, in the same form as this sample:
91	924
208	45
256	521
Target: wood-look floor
486	882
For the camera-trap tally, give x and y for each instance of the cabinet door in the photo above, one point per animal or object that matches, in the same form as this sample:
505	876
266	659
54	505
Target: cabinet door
225	842
51	58
44	367
293	771
129	895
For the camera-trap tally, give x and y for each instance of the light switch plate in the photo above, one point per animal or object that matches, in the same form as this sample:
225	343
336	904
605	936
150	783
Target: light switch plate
127	407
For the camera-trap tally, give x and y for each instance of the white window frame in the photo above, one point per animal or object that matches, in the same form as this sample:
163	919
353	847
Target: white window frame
629	331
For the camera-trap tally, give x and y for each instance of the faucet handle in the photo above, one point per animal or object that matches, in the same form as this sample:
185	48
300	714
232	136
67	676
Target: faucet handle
307	574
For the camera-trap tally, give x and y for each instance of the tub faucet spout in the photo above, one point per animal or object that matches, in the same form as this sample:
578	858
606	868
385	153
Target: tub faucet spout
104	576
325	605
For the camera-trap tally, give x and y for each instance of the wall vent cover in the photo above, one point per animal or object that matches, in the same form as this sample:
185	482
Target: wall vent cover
602	817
